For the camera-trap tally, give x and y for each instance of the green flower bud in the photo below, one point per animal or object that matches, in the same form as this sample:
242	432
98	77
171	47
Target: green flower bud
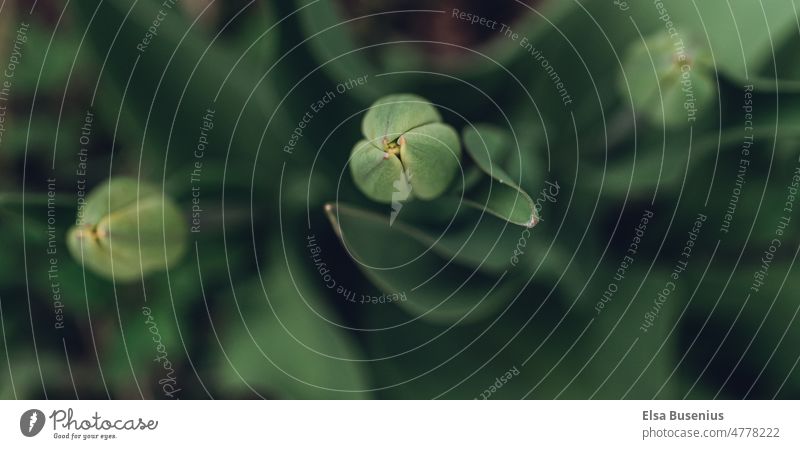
127	229
406	151
669	82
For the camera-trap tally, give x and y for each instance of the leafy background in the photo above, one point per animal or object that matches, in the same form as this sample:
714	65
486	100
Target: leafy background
248	314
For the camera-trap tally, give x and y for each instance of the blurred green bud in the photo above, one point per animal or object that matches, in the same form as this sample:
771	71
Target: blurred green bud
406	151
126	230
669	80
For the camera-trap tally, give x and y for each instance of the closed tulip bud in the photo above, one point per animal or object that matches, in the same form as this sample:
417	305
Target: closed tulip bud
127	230
406	151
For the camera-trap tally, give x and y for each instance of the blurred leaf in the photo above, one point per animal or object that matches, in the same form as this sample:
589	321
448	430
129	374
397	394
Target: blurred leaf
742	342
48	60
377	174
431	155
143	354
429	360
620	359
549	351
40	138
655	81
465	235
128	229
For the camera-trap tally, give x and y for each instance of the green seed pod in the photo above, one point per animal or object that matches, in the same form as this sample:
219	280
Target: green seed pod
406	151
127	229
668	81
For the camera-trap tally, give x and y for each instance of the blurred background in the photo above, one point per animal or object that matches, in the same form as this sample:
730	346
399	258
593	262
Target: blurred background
658	140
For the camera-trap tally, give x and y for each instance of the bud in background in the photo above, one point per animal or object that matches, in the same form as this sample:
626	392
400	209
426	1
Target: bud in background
669	80
127	230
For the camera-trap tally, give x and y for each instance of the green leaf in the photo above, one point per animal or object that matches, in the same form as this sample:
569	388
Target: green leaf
430	275
620	360
391	116
332	44
657	79
460	233
378	174
281	347
499	195
757	330
431	155
407	152
48	60
429	360
170	83
662	162
493	145
254	31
